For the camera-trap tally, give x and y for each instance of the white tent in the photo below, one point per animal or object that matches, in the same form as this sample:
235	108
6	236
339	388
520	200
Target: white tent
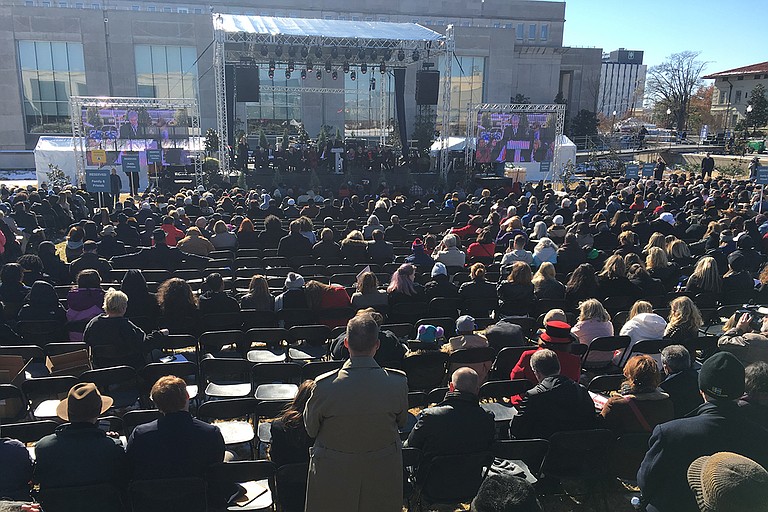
566	152
57	151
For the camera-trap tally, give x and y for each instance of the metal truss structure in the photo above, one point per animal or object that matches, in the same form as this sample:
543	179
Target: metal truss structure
79	133
546	108
446	118
302	52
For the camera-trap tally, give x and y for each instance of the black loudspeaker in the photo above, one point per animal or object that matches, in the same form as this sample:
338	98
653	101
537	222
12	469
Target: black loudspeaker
247	81
427	87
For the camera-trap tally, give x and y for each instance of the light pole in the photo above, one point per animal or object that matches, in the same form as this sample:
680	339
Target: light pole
613	123
749	111
669	121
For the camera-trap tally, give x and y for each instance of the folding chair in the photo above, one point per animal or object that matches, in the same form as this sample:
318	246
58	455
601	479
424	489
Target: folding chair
311	342
32	353
606	345
168	495
478	308
496	395
425	370
627	454
213	342
28	432
222	322
448	324
121	383
89	498
296	317
531	451
44	394
291	486
226	377
41	333
409	312
451	479
13	406
275	381
314	369
505	361
271	338
252	318
266	411
402	331
258	476
605	383
445	307
133	419
437	395
232	416
152	372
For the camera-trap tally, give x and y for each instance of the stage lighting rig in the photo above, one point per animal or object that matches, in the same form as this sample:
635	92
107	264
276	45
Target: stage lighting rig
271	64
415	56
318	74
345	67
287	74
264	50
318	52
303	74
291	51
361	54
353	76
328	66
388	54
279	50
334	52
291	66
271	74
335	75
363	68
374	54
304	52
309	65
401	55
348	53
382	68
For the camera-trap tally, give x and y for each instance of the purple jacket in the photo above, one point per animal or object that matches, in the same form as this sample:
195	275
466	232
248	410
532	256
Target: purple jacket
82	305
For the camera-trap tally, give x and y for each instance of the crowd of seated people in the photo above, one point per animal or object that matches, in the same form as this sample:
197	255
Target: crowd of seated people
528	268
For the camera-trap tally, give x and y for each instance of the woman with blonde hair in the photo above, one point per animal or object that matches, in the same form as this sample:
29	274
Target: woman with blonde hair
612	280
516	292
684	320
539	230
546	285
478	287
222	238
258	296
712	235
705	277
594	322
659	267
354	249
657	240
368	294
679	252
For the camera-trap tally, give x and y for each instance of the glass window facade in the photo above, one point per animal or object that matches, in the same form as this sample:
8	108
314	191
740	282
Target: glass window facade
50	73
544	31
166	71
519	31
467	86
276	109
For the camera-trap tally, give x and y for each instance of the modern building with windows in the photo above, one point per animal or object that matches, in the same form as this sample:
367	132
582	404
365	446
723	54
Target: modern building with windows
162	48
733	88
622	83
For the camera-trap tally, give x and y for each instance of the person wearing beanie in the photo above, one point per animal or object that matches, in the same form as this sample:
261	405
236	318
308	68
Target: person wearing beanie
419	257
728	482
466	338
440	286
294	296
718	425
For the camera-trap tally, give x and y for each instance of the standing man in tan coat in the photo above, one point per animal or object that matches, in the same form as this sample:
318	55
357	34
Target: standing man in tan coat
354	414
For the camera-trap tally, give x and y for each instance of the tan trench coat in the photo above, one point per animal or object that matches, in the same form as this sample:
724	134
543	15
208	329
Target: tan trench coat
356	463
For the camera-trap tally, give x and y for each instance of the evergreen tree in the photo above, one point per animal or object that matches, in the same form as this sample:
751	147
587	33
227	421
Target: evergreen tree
263	143
758	117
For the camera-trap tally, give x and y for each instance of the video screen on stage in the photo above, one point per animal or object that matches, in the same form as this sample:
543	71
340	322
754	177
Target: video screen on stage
515	137
135	128
170	156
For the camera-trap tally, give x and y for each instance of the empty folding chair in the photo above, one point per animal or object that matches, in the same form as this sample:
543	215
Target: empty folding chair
269	341
28	432
311	342
257	477
233	417
168	495
13	406
496	395
451	479
44	394
226	377
222	343
121	383
531	452
275	381
314	369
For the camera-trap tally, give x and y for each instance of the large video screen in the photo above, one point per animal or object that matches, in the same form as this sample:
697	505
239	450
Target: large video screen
135	128
515	137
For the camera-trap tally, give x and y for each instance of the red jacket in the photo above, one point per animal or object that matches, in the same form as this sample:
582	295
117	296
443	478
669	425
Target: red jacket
570	366
336	297
172	234
467	231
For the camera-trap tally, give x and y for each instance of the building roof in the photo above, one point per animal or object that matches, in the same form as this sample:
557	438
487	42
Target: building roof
304	27
762	67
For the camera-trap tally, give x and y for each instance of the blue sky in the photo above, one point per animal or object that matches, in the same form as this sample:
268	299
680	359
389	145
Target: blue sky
728	34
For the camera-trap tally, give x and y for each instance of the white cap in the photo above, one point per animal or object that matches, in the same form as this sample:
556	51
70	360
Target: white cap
558	220
668	218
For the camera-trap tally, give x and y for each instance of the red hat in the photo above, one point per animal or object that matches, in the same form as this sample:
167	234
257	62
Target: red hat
417	243
557	332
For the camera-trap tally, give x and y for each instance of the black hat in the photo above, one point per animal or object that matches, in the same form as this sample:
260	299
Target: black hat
158	236
722	376
737	261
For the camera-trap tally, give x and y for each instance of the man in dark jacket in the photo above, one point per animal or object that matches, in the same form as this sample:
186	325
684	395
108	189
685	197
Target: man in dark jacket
214	300
396	232
505	333
380	250
440	285
682	381
457	424
79	453
90	259
159	257
295	244
176	445
718	425
556	404
115	186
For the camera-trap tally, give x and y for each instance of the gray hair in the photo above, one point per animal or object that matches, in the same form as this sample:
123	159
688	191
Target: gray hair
545	363
676	357
115	302
756	378
362	333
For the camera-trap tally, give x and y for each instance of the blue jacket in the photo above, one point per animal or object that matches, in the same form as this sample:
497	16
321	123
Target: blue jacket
712	427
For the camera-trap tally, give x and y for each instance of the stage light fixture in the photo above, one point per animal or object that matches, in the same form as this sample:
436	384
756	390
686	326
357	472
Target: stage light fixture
415	56
279	50
291	51
372	84
318	74
374	54
328	66
272	64
388	54
304	51
382	68
361	54
334	52
363	68
348	53
353	76
291	66
318	52
264	51
345	67
401	55
287	74
271	74
309	65
335	75
303	74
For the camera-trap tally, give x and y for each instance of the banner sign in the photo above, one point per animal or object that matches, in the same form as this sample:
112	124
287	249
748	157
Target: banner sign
154	156
648	169
762	176
97	181
99	157
131	162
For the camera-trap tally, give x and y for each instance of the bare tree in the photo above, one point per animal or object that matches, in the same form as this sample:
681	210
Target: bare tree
672	83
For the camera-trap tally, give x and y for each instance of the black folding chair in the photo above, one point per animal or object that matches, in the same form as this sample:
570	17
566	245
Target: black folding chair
291	487
89	498
451	479
168	495
121	383
13	405
260	473
531	451
425	370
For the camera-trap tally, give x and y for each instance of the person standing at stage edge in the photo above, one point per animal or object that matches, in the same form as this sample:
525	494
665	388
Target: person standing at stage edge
115	186
354	414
